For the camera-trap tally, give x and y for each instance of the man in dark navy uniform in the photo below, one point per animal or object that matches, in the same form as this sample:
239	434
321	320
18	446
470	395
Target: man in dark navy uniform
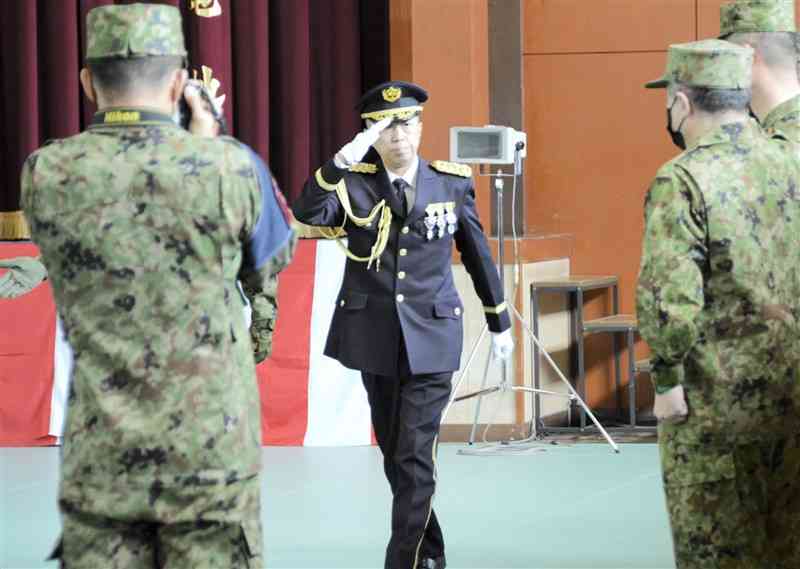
398	314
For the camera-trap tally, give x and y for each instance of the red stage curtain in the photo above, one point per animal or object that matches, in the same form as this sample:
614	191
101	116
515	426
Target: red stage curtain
291	69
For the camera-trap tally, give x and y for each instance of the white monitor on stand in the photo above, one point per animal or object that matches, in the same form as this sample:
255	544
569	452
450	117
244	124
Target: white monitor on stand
486	145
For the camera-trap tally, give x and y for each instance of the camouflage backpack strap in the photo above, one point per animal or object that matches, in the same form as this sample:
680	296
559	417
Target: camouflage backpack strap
452	168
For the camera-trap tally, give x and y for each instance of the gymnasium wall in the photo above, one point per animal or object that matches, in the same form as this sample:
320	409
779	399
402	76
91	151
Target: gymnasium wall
595	136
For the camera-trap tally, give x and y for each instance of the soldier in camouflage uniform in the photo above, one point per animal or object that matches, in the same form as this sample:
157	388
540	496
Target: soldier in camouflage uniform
768	26
717	303
144	229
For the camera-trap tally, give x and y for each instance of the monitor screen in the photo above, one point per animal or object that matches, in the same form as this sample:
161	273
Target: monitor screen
472	145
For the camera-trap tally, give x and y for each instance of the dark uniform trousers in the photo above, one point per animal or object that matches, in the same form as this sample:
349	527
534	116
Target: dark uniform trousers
406	411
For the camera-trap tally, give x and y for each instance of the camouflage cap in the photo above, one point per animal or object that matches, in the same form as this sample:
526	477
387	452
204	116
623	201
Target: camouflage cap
747	16
715	64
134	30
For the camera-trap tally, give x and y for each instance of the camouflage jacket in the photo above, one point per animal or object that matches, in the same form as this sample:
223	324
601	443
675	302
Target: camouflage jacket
785	120
144	230
718	291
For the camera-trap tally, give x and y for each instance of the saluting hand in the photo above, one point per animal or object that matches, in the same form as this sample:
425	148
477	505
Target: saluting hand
357	148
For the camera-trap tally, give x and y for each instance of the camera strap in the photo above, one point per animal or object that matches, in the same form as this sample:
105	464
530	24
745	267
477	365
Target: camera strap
119	116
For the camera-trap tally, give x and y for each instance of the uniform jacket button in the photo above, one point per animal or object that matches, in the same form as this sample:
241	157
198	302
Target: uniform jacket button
341	302
405	230
457	311
400	298
403	252
401	275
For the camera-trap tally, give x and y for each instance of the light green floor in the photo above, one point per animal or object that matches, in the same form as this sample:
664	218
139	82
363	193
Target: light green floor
569	507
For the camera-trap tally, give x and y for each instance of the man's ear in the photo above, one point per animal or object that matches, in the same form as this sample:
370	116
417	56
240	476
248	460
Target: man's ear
179	79
88	87
683	103
758	58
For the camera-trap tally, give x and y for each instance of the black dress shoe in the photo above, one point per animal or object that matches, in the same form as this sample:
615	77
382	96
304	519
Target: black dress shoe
428	563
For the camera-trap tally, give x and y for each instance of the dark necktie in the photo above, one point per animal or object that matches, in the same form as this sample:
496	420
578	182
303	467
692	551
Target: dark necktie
400	191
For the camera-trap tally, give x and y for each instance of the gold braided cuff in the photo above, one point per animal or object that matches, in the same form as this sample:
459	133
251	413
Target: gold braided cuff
499	309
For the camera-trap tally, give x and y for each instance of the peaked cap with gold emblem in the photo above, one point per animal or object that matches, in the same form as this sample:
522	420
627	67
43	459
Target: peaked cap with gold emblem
757	16
134	30
396	99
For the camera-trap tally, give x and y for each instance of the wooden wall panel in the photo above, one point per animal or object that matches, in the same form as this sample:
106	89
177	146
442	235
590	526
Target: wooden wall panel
708	18
451	47
444	46
573	26
596	138
401	56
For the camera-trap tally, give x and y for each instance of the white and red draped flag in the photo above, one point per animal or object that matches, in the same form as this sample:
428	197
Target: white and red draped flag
306	397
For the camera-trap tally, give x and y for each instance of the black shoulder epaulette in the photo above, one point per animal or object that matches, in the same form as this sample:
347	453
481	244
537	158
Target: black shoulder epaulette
452	168
364	168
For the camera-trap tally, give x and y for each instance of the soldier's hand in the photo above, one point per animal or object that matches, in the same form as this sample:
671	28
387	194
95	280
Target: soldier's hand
357	148
670	407
24	274
203	122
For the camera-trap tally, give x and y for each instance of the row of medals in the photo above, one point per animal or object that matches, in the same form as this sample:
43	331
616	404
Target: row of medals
435	224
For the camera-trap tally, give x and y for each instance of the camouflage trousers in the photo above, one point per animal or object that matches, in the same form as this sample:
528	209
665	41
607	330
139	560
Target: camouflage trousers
735	507
90	540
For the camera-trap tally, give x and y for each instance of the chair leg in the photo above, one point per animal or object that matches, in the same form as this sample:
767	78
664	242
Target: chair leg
632	379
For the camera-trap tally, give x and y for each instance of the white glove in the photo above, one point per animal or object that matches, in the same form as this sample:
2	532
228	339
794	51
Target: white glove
670	407
502	345
356	149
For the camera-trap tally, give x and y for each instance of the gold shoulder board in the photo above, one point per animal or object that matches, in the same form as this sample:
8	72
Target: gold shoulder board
364	168
452	168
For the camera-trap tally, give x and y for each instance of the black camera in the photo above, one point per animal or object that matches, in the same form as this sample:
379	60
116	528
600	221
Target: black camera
185	111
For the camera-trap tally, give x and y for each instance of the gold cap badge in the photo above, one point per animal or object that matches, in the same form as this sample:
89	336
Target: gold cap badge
206	8
391	94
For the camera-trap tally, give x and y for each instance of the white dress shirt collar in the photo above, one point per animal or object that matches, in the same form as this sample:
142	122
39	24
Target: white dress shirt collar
410	176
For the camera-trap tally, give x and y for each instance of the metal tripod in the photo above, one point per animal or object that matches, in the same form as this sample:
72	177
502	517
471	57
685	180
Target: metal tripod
504	386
